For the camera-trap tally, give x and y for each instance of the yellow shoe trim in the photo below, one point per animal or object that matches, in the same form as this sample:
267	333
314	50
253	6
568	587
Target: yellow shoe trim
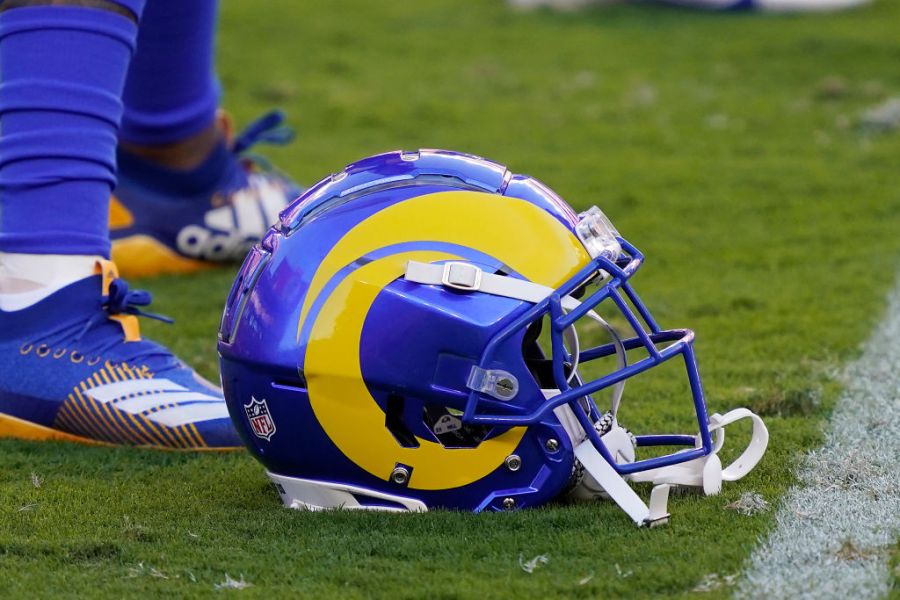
14	427
25	430
129	323
119	216
142	256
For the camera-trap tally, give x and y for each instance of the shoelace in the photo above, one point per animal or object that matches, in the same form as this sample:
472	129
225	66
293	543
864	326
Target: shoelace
122	300
267	129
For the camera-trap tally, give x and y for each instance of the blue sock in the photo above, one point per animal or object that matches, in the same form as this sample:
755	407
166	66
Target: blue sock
62	71
172	92
218	172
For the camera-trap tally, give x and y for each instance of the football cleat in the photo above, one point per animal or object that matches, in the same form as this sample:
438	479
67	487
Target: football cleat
157	228
74	367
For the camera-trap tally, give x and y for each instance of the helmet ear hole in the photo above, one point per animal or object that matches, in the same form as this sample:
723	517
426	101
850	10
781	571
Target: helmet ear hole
443	423
393	421
536	360
531	349
449	429
536	350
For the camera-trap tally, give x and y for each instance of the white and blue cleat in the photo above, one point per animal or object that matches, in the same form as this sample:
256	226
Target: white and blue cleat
159	224
74	367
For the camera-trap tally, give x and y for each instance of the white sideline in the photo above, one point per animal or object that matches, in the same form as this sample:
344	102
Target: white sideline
836	527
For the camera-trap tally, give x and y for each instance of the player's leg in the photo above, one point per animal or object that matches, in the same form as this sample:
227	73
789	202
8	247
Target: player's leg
186	198
72	365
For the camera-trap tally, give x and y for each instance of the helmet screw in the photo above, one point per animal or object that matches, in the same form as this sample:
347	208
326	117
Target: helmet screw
505	387
509	503
513	463
400	475
551	445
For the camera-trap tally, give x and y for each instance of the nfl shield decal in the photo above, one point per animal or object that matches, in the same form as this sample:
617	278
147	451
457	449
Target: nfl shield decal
260	419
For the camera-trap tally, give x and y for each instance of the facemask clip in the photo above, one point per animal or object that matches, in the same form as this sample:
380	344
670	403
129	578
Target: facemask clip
496	383
598	234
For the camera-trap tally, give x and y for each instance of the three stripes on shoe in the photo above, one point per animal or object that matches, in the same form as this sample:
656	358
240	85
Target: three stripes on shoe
123	404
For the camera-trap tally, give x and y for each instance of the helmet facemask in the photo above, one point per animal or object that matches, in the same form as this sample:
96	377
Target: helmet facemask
604	448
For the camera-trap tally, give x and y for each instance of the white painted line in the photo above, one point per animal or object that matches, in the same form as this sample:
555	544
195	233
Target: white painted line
836	527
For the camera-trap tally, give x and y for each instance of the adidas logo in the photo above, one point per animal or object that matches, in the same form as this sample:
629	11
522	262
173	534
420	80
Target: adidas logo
231	230
160	400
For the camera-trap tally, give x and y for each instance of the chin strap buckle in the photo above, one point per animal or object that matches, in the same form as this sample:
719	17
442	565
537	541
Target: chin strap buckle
461	276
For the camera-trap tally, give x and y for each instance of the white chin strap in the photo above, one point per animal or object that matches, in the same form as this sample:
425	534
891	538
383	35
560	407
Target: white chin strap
600	478
707	471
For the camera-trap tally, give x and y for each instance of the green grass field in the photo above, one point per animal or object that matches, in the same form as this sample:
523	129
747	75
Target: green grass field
726	147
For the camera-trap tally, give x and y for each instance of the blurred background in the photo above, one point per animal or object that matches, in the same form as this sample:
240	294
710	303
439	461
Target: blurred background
751	155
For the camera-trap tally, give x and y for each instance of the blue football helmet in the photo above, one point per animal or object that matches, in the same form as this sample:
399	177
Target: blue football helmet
405	338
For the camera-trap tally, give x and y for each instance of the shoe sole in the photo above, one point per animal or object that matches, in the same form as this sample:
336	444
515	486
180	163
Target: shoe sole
142	256
14	427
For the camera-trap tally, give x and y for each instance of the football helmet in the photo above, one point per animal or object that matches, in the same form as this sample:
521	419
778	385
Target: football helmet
405	338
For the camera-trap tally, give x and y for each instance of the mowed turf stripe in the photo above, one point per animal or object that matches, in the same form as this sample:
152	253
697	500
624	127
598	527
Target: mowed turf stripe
835	529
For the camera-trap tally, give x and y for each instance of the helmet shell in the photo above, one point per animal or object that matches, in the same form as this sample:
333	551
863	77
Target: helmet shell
355	365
